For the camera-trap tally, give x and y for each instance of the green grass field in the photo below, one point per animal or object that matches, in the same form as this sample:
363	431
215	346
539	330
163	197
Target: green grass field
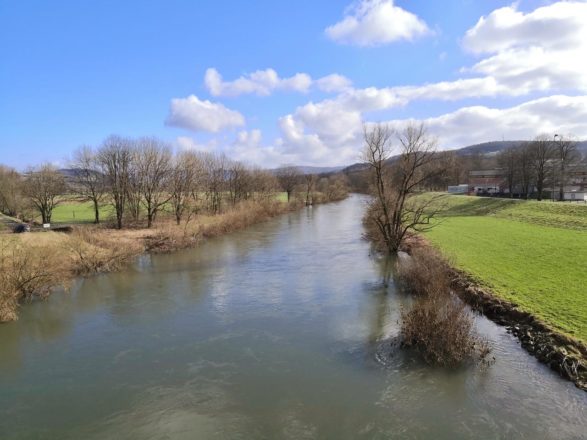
83	212
78	212
531	253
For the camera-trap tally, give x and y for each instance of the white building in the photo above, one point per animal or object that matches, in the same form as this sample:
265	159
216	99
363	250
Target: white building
578	196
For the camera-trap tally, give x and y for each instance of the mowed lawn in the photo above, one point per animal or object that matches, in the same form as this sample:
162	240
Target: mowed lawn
531	253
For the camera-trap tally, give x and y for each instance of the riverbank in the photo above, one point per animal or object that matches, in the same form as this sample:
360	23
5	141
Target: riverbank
563	354
529	253
521	264
34	264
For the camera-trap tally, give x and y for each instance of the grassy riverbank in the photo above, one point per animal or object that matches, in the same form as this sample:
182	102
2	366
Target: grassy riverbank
527	252
33	264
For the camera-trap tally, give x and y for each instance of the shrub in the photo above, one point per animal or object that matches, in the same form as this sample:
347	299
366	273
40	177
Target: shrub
93	251
424	273
26	272
438	324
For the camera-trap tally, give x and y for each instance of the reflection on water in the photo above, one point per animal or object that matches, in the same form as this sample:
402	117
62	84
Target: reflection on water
273	332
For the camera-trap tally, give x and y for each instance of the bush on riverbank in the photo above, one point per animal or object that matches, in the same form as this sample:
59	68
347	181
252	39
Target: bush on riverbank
95	250
27	270
438	324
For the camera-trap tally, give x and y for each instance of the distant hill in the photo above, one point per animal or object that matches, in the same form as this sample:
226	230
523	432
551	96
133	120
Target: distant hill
487	147
483	148
314	170
497	146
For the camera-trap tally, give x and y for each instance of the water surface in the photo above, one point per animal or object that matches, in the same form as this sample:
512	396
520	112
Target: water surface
273	332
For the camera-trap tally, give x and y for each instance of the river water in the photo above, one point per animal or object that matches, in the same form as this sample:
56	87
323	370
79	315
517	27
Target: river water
273	332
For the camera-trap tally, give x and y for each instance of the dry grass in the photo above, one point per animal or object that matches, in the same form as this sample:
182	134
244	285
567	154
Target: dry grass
28	270
438	324
93	250
243	215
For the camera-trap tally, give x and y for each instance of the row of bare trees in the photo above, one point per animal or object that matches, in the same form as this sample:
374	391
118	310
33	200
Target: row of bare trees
141	177
539	164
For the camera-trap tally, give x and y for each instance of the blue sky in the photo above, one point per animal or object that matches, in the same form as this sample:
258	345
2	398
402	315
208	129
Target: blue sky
73	72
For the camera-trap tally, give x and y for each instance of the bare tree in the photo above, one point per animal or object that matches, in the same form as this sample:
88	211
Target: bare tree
525	169
309	187
541	152
506	159
43	186
10	191
186	173
238	181
134	190
566	149
393	212
88	179
154	174
115	157
288	177
215	180
263	184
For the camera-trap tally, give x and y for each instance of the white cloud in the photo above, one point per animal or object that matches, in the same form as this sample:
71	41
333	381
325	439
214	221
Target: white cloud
377	22
334	83
197	115
261	82
187	143
524	57
560	25
265	82
471	125
541	50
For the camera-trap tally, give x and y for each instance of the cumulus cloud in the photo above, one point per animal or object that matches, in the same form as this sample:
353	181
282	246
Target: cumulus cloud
540	50
377	22
518	53
261	82
560	25
470	125
265	82
197	115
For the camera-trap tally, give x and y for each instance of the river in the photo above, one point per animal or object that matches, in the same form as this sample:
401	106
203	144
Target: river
269	333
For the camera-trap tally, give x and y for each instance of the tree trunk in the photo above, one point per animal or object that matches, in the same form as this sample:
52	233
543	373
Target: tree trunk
96	212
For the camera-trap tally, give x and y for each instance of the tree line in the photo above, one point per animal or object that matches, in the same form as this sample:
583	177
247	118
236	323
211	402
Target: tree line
140	178
534	166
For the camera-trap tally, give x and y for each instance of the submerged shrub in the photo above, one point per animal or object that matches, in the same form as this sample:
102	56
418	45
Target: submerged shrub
438	324
424	273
